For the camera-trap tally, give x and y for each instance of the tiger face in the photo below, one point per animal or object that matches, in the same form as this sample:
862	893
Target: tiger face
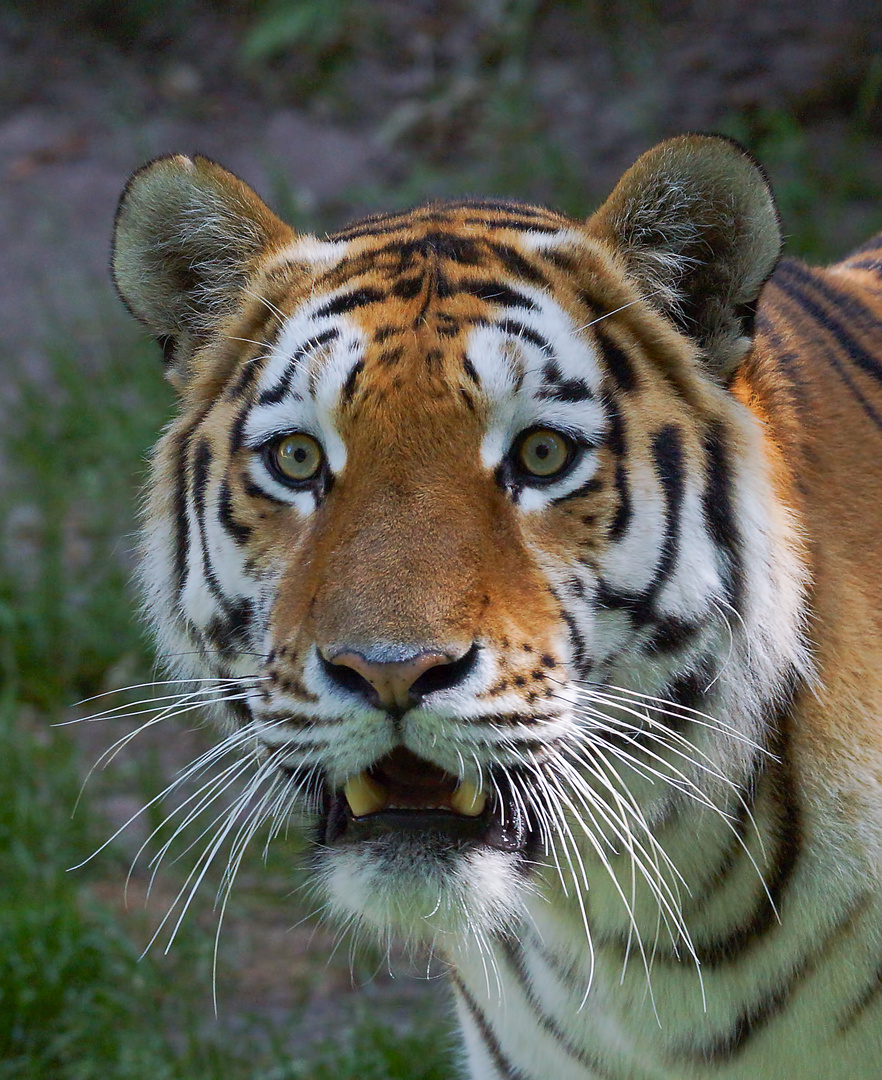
468	514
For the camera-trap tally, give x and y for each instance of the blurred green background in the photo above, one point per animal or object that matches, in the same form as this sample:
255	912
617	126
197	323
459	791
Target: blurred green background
330	108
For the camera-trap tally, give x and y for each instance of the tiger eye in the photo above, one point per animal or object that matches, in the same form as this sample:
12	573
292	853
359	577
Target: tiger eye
544	453
298	457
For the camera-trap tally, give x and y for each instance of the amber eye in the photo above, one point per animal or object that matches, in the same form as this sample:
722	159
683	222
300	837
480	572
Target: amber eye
296	457
544	453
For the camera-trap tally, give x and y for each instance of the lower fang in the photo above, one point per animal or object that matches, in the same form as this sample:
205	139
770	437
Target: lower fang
364	795
468	799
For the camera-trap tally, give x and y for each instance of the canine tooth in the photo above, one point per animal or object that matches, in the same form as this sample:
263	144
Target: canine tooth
468	799
364	795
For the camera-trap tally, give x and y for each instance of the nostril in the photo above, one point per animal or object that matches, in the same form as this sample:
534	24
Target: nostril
444	676
396	685
347	678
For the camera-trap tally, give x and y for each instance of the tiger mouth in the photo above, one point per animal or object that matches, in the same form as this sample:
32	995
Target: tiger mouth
405	795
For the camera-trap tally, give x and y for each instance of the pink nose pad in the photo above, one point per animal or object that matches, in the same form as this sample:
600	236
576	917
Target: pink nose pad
392	681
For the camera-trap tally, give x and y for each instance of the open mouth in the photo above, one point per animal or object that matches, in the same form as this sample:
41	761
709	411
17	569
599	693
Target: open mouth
402	794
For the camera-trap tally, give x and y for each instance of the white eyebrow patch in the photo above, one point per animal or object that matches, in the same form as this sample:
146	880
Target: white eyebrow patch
300	386
535	370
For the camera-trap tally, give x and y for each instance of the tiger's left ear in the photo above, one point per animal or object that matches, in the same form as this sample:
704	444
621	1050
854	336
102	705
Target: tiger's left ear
188	236
697	225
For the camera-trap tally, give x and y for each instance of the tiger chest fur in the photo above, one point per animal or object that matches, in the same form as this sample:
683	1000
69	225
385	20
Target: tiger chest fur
538	564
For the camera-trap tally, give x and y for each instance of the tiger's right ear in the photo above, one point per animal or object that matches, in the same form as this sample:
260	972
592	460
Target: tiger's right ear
188	235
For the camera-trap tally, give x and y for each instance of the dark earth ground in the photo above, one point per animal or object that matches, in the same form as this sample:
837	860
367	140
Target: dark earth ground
84	100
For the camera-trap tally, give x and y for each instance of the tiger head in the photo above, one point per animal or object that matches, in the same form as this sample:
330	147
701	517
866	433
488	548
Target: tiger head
468	513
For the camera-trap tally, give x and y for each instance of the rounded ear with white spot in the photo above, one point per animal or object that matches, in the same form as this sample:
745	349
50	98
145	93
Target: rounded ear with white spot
696	223
188	235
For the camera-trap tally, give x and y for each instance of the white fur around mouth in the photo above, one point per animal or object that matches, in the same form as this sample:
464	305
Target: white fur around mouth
365	795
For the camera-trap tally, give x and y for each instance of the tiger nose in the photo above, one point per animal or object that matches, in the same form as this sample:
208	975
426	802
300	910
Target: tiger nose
393	684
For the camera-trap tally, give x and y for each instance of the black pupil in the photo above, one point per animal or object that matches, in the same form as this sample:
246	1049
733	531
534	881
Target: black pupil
300	455
542	450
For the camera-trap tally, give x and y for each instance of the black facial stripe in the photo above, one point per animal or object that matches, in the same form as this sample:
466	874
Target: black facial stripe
616	440
589	487
719	513
408	288
202	460
249	372
435	245
239	532
229	632
672	634
512	223
237	429
568	263
493	292
223	631
570	390
581	660
518	266
349	386
181	519
281	390
253	491
389	357
518	330
470	370
667	455
350	301
618	364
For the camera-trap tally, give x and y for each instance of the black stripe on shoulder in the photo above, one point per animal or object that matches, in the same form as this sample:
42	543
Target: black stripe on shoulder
843	302
793	280
867	264
506	1070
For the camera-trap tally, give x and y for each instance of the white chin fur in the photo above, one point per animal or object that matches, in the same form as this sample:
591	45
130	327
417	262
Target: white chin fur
397	886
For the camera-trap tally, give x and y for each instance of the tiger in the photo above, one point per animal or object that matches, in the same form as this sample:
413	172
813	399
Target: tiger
534	562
